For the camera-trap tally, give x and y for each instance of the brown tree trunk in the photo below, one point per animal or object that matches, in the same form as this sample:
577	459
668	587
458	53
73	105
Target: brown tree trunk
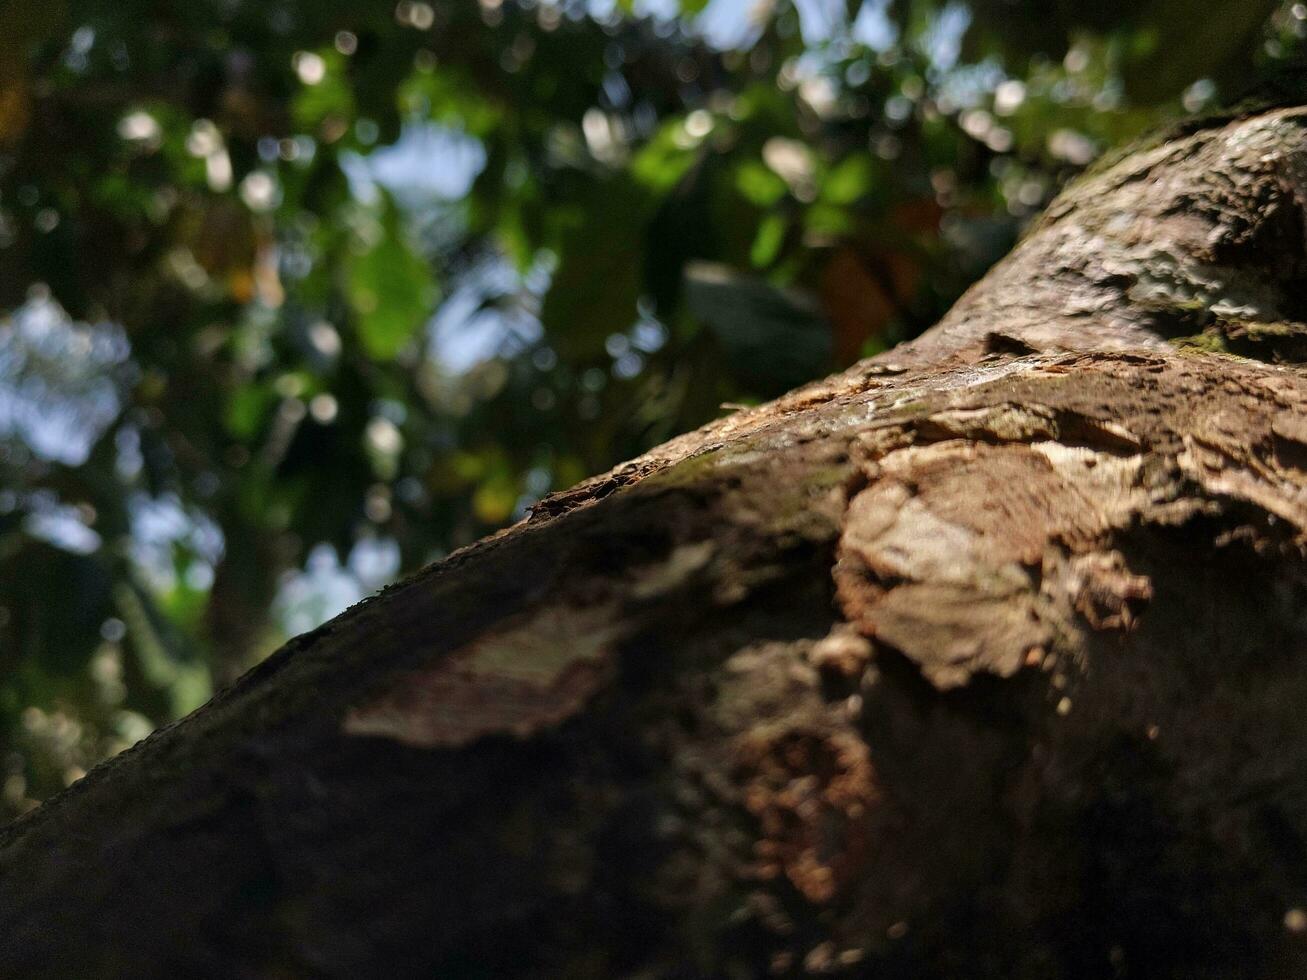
981	659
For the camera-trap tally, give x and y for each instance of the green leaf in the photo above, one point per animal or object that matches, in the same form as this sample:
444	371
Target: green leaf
758	183
848	180
330	96
452	97
597	283
767	243
775	338
391	291
827	219
665	159
247	407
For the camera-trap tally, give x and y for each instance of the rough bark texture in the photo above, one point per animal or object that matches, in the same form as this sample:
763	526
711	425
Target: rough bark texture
985	658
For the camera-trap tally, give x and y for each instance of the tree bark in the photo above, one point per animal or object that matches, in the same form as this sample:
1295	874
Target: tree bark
985	658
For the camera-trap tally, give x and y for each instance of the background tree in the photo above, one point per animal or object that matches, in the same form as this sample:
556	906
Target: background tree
300	295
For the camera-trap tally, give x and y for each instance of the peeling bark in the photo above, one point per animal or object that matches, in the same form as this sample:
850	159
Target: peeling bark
982	659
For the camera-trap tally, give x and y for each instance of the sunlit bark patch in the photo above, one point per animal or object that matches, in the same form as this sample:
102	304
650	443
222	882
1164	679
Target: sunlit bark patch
528	675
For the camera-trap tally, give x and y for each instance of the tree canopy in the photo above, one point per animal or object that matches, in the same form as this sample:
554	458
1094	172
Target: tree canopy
295	296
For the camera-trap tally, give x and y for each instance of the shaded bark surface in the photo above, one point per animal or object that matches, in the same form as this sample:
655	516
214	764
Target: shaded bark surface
985	658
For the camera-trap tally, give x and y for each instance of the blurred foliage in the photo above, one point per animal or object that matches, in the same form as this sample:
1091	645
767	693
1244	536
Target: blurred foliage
295	296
